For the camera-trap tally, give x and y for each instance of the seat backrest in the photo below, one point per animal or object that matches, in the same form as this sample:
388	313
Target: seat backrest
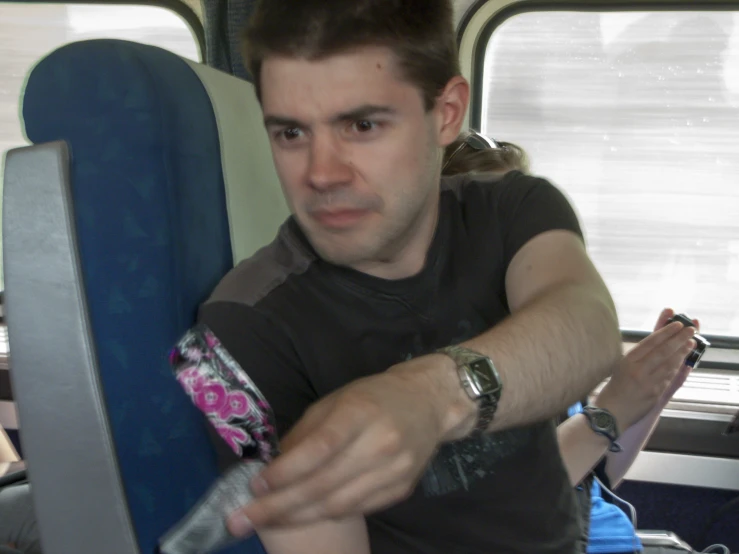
112	238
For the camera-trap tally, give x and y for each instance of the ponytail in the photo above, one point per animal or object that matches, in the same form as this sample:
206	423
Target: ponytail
474	153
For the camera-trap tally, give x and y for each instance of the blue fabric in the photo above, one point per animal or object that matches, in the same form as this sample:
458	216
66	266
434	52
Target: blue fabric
611	531
574	409
154	240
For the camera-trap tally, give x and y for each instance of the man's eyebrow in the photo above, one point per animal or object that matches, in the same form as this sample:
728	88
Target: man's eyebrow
361	112
364	112
280	121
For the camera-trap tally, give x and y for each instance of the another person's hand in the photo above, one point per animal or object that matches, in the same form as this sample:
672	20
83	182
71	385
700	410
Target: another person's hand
679	379
358	450
650	373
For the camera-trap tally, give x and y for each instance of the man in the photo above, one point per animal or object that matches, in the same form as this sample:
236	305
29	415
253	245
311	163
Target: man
339	321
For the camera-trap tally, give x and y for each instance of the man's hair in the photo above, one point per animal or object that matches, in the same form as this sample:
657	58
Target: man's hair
466	156
419	32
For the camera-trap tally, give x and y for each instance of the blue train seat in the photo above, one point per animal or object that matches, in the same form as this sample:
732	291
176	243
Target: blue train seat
115	228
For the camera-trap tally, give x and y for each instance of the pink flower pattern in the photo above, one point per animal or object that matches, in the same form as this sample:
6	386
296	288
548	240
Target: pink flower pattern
220	389
211	398
235	437
237	404
191	379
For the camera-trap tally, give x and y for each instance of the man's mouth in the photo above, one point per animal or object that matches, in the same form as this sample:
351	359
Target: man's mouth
338	218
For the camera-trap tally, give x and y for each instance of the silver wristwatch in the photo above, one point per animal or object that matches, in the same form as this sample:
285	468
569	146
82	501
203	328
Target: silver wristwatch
480	381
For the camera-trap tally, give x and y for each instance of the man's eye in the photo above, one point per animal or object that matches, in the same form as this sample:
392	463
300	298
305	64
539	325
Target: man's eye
290	134
363	125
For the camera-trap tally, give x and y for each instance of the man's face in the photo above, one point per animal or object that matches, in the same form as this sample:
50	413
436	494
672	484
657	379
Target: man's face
357	154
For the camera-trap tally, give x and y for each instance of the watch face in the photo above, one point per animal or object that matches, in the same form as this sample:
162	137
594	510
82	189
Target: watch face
485	378
602	420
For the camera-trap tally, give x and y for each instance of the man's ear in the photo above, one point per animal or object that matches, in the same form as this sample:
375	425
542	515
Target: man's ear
451	108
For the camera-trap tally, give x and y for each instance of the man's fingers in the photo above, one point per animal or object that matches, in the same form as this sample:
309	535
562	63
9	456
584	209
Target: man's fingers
307	496
307	454
375	460
362	458
314	417
370	491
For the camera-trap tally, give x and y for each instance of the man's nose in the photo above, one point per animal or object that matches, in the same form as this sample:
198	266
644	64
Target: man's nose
329	167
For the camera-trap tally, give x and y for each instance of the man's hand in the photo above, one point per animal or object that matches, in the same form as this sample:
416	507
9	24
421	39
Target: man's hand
650	373
360	449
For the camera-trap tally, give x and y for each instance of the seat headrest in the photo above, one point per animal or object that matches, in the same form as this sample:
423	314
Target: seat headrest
70	89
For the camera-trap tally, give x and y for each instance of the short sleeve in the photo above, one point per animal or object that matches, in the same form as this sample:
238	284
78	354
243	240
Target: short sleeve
266	353
528	206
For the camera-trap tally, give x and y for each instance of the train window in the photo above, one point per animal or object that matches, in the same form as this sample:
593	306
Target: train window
636	116
29	31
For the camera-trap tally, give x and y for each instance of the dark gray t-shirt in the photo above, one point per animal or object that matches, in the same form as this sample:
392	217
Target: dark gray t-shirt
301	328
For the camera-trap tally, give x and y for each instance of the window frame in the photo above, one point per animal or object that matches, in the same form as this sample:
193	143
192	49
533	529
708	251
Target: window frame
473	36
179	8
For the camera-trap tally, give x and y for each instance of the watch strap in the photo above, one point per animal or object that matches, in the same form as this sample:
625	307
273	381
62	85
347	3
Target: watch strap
460	354
487	406
487	403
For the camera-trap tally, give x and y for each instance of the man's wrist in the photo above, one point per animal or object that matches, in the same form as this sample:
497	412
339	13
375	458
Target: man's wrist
438	379
460	411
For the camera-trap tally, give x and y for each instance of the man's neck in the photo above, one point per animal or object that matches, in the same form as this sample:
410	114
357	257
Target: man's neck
410	258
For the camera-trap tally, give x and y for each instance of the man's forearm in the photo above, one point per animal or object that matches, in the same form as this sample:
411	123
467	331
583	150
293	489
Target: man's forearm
552	353
549	354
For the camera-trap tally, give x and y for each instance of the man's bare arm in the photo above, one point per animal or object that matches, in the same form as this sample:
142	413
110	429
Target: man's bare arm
561	340
347	536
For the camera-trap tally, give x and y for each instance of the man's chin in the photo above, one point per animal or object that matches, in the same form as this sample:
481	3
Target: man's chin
339	256
340	250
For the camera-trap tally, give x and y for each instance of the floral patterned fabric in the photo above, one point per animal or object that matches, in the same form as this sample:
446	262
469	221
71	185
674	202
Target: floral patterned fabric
223	391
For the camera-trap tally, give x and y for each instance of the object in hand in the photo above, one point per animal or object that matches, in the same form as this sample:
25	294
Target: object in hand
701	344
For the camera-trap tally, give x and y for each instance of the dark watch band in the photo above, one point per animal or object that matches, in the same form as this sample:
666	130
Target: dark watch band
603	423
